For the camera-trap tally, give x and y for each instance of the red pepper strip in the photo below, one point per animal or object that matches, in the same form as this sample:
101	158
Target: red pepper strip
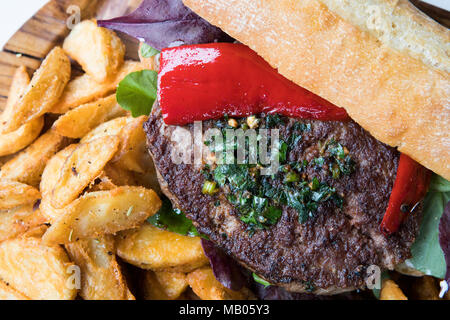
202	82
410	186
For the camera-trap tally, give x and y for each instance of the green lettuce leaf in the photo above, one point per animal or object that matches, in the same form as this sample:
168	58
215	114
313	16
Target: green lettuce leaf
137	92
427	255
147	51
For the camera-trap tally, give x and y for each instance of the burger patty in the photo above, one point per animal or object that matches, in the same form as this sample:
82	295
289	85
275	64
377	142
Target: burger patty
327	252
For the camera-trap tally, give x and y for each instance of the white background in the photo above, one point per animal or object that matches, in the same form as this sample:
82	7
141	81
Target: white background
13	13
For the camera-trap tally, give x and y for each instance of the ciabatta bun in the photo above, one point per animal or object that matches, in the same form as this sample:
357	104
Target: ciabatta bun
383	61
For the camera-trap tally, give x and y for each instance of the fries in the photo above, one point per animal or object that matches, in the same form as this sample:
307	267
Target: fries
84	89
15	141
80	121
39	271
84	164
19	85
17	221
163	285
110	128
14	194
132	154
101	276
105	54
103	212
390	291
43	92
9	293
205	285
159	250
28	165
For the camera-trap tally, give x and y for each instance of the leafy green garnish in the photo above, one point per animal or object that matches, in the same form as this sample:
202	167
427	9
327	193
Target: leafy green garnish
137	92
147	51
261	280
427	255
173	220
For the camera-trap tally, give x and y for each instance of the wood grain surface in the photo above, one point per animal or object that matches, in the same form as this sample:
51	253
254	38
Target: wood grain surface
48	28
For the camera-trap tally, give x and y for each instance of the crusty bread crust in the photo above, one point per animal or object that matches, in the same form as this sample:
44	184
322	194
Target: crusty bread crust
398	96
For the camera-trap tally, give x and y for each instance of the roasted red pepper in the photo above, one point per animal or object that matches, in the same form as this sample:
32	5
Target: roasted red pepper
410	186
202	82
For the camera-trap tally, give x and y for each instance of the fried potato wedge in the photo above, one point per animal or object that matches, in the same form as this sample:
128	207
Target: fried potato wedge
19	84
52	170
43	92
101	275
80	121
84	89
154	249
40	272
391	291
83	165
163	285
120	176
17	221
206	286
99	51
110	128
15	141
14	194
49	179
133	154
28	165
9	293
103	212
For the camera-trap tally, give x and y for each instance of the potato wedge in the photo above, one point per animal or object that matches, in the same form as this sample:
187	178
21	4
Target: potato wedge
52	170
49	178
19	220
43	92
83	165
111	128
84	89
9	293
103	212
14	194
391	291
15	141
163	285
206	286
40	272
19	84
99	51
133	154
28	165
120	176
78	122
154	249
101	275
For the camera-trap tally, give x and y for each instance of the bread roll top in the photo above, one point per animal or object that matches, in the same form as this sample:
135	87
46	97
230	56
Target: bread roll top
383	61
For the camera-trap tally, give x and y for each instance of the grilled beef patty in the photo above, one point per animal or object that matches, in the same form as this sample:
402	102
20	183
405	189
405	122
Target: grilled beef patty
330	251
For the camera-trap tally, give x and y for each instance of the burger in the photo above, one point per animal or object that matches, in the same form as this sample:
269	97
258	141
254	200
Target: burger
349	100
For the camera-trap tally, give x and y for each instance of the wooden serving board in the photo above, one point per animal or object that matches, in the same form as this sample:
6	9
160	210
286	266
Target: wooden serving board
48	28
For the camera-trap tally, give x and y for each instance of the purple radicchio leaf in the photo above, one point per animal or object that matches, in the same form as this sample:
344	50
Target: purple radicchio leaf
444	238
278	293
225	269
162	22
